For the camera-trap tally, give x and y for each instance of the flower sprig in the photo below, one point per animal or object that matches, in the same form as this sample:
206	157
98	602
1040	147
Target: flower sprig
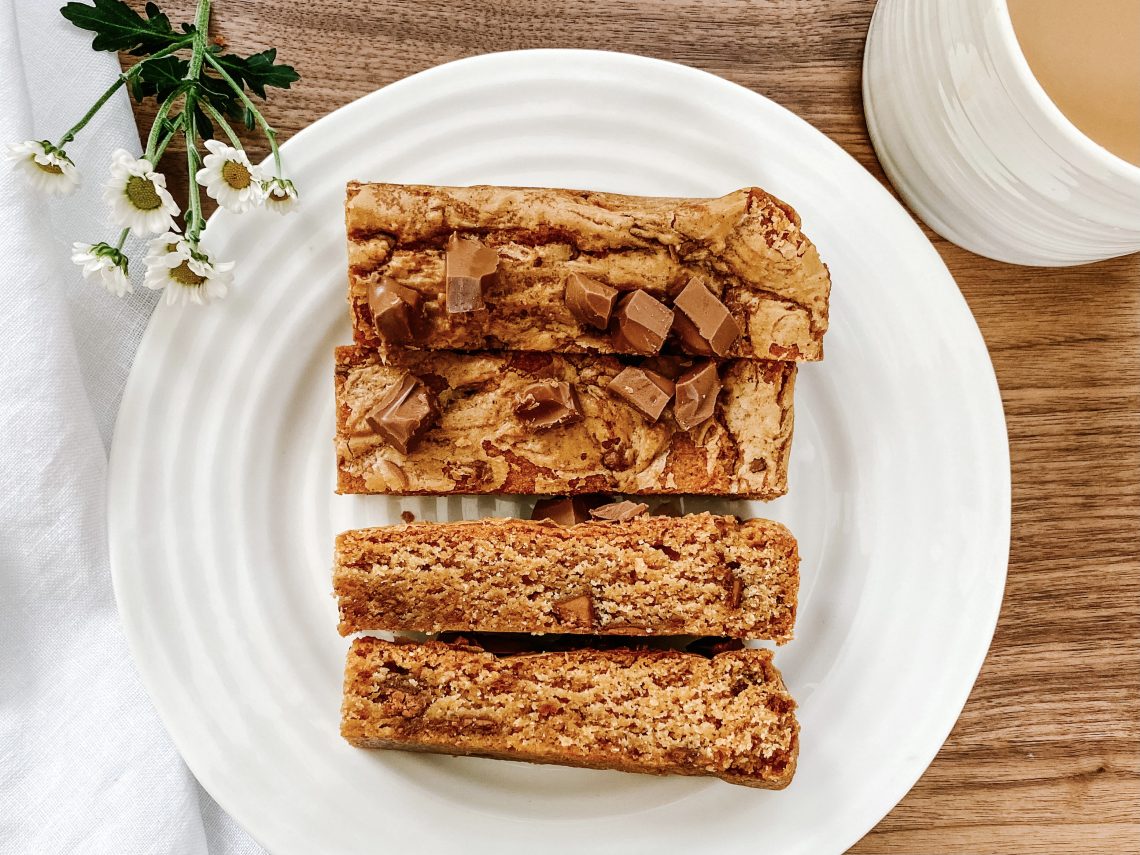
200	90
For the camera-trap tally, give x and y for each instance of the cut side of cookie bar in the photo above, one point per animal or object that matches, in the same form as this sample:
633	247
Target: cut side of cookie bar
436	422
655	711
489	268
698	574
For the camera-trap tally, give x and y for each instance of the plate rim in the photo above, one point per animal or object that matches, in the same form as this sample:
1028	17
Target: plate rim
979	653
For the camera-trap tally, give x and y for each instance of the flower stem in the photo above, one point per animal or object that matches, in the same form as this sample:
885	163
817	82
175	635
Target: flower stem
122	239
114	87
193	218
270	133
156	128
213	113
165	141
200	37
194	221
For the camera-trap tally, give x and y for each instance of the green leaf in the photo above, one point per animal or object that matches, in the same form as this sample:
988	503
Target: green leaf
219	94
160	77
203	124
156	17
118	27
259	71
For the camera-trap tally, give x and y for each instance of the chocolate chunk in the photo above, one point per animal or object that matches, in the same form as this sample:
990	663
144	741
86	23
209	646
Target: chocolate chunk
565	511
396	311
643	322
579	610
703	323
469	266
696	392
735	593
647	391
668	366
499	643
547	404
405	411
590	301
710	646
619	511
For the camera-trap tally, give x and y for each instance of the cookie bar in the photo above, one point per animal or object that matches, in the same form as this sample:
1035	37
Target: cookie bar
698	574
438	422
655	711
422	272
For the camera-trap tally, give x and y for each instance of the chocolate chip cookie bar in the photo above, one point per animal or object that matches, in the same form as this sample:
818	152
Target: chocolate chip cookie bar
504	268
440	422
698	574
662	712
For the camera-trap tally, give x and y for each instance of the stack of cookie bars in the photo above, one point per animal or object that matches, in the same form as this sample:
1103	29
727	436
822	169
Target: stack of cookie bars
574	345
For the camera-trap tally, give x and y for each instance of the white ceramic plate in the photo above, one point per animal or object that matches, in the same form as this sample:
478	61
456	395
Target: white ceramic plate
222	513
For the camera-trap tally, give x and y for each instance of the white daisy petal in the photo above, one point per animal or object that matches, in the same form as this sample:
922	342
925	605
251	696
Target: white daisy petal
280	195
230	178
47	168
106	264
187	275
167	250
138	196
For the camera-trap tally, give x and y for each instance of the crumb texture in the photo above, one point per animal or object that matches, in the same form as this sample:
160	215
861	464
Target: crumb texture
746	246
479	444
655	711
651	575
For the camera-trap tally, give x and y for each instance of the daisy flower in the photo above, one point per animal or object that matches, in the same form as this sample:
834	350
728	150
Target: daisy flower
107	264
48	168
138	196
230	178
187	274
280	195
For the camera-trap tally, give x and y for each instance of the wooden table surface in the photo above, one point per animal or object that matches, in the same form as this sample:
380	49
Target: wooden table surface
1046	756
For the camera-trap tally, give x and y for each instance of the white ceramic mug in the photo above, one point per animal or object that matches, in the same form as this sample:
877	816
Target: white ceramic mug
977	148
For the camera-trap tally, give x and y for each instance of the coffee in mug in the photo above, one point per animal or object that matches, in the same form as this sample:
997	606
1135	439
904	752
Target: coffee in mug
1086	56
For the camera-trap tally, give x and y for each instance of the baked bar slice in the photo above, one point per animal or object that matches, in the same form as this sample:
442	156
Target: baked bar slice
471	438
663	712
746	248
698	574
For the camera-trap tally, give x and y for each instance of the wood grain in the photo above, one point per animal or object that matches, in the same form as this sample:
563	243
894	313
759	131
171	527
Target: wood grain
1046	755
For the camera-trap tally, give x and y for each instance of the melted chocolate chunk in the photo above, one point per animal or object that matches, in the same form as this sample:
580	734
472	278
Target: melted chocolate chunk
469	266
696	394
397	311
547	404
642	322
702	322
619	511
568	510
404	412
590	301
647	391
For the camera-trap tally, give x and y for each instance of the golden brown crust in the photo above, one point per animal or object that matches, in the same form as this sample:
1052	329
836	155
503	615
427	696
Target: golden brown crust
650	575
660	712
480	446
747	246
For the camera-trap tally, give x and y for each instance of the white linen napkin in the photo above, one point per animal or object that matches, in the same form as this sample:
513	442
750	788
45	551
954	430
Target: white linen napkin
85	764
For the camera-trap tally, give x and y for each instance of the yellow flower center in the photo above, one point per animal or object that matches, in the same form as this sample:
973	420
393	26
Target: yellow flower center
142	193
236	175
53	168
183	275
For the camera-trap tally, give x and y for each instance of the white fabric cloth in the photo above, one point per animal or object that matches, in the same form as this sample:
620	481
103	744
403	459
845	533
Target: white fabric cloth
85	764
